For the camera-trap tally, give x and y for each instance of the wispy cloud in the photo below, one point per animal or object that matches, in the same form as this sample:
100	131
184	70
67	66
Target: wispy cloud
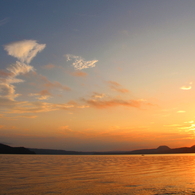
64	128
79	74
189	127
181	111
43	88
7	90
172	125
80	63
68	132
189	122
9	106
5	73
101	104
24	50
188	87
117	87
19	68
36	107
98	95
7	103
51	85
49	66
4	21
42	95
28	116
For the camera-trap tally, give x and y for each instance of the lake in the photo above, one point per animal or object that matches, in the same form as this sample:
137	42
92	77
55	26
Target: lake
97	174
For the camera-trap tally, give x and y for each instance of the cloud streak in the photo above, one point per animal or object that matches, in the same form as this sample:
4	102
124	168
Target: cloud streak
102	104
42	95
19	68
49	66
98	95
36	107
117	87
4	21
79	74
52	85
181	111
80	63
45	88
7	89
187	87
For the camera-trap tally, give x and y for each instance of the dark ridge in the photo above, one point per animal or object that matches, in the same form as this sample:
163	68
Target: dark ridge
163	148
193	146
52	151
5	149
160	150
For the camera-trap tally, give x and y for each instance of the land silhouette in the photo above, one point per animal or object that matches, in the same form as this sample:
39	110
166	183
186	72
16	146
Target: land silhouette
160	150
5	149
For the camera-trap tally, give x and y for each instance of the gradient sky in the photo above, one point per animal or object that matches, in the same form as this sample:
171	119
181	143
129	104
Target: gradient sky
97	75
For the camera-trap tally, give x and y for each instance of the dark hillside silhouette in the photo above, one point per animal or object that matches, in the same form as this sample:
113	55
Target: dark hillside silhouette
4	149
52	151
165	150
160	150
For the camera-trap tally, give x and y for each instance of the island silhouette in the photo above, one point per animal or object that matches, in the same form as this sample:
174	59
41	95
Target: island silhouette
5	149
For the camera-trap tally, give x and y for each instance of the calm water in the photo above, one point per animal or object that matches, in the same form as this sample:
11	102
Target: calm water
115	174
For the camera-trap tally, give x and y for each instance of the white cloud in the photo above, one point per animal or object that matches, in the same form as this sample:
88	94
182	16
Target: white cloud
20	68
8	91
14	80
69	56
79	62
24	50
186	87
98	95
40	97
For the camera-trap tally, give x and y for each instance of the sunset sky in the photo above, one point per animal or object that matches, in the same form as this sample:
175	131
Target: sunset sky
97	75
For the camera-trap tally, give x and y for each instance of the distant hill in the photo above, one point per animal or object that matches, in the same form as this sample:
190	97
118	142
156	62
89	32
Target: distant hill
5	149
165	150
52	151
160	150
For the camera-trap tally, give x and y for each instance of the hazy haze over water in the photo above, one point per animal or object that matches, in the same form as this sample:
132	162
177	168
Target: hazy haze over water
98	174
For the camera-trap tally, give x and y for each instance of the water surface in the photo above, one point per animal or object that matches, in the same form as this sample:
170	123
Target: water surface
97	174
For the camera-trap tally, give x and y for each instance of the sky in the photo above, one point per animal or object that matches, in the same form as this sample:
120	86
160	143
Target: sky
97	75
